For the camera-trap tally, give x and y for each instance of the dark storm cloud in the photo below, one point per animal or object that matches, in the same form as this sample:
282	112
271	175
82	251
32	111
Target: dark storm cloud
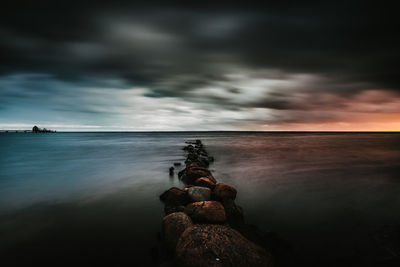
184	52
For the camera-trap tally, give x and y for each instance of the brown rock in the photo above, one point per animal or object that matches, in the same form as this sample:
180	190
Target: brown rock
186	188
173	225
206	211
199	193
174	197
205	181
193	172
204	245
172	209
224	191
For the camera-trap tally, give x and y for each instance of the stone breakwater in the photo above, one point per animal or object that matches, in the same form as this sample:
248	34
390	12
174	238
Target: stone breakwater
203	226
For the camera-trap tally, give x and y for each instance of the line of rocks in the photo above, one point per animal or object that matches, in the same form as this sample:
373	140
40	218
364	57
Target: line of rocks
203	225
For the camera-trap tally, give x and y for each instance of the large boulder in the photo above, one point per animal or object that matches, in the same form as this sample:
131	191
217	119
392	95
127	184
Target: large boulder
173	225
199	193
206	212
224	191
204	245
174	197
205	181
193	172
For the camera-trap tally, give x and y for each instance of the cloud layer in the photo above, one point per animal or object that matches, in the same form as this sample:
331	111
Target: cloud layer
318	66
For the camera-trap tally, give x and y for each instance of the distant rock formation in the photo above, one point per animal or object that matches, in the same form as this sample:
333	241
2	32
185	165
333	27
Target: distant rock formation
36	129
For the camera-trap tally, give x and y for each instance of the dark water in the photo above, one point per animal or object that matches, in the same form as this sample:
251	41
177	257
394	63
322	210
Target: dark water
84	198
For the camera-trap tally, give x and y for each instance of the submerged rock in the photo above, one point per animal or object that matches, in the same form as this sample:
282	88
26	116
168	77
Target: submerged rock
173	225
199	193
218	245
206	212
224	191
205	181
174	197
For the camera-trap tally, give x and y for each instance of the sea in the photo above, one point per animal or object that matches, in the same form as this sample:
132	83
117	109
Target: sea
93	197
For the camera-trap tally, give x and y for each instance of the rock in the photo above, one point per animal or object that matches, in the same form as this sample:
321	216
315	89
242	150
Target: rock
189	148
171	209
186	188
173	225
181	173
218	245
223	191
206	212
203	161
191	158
174	197
205	181
193	172
199	157
199	193
171	171
177	164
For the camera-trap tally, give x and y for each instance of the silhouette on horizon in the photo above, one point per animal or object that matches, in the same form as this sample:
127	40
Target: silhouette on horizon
36	129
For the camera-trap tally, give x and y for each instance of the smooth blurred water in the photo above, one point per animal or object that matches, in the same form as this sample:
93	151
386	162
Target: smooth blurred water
94	196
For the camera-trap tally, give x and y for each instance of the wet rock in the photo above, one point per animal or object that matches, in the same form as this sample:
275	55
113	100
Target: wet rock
205	181
198	156
177	164
173	225
193	172
171	209
218	245
171	171
206	212
192	158
199	193
189	148
186	188
203	161
223	191
181	173
174	197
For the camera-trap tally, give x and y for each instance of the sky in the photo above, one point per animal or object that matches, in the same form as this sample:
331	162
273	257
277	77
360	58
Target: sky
158	66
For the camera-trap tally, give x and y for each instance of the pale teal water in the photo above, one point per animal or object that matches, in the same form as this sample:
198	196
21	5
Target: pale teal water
93	196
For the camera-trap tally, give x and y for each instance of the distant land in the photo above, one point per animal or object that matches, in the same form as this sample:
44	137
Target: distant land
35	129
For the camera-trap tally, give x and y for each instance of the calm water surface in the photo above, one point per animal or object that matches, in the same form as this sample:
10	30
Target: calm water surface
84	197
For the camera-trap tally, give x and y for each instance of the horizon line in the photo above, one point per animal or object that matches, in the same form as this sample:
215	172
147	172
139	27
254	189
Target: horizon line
204	131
